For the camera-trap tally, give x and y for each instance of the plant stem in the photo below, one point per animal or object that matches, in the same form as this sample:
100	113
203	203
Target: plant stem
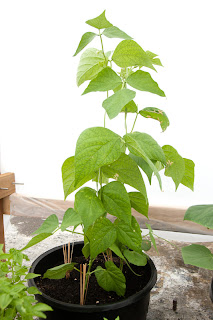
126	121
102	46
134	122
87	279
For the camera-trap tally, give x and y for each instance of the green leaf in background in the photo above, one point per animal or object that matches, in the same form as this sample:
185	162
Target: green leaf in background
198	255
99	22
68	177
116	200
49	225
156	114
143	81
138	259
139	203
92	61
70	218
143	165
115	103
88	205
128	53
153	58
114	32
130	107
201	214
106	80
175	165
188	178
37	239
31	276
59	272
152	237
85	40
145	245
95	148
111	278
102	236
127	236
33	290
126	171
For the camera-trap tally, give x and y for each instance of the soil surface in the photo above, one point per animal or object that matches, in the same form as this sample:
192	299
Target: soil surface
68	290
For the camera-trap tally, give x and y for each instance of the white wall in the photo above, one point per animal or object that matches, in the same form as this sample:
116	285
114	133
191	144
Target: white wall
43	112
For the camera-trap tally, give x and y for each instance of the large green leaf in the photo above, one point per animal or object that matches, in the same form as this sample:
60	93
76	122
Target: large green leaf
139	203
116	201
126	171
106	80
49	225
130	107
138	259
143	165
59	272
95	148
115	103
188	178
128	53
115	32
198	255
153	58
92	61
175	165
102	235
5	300
156	114
38	238
88	205
68	177
99	22
111	278
143	145
85	40
143	81
70	218
127	236
201	214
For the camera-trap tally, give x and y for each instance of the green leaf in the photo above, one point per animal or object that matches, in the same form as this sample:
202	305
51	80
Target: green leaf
156	114
92	61
68	176
5	300
111	278
31	275
201	214
135	226
143	145
41	307
127	236
175	165
86	250
143	81
153	58
138	259
116	250
198	255
152	237
106	80
188	178
37	239
144	166
145	245
88	205
139	203
49	225
126	171
130	107
70	218
33	290
99	22
59	272
114	32
85	40
95	148
128	53
115	103
102	236
116	201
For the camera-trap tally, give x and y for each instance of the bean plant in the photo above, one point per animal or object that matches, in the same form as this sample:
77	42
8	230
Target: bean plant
115	162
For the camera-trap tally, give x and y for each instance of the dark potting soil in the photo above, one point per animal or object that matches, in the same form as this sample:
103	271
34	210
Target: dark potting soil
68	290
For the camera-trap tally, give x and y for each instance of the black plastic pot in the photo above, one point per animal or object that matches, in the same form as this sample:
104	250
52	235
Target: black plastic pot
133	308
211	290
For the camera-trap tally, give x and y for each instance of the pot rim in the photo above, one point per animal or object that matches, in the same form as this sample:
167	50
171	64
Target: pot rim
93	308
